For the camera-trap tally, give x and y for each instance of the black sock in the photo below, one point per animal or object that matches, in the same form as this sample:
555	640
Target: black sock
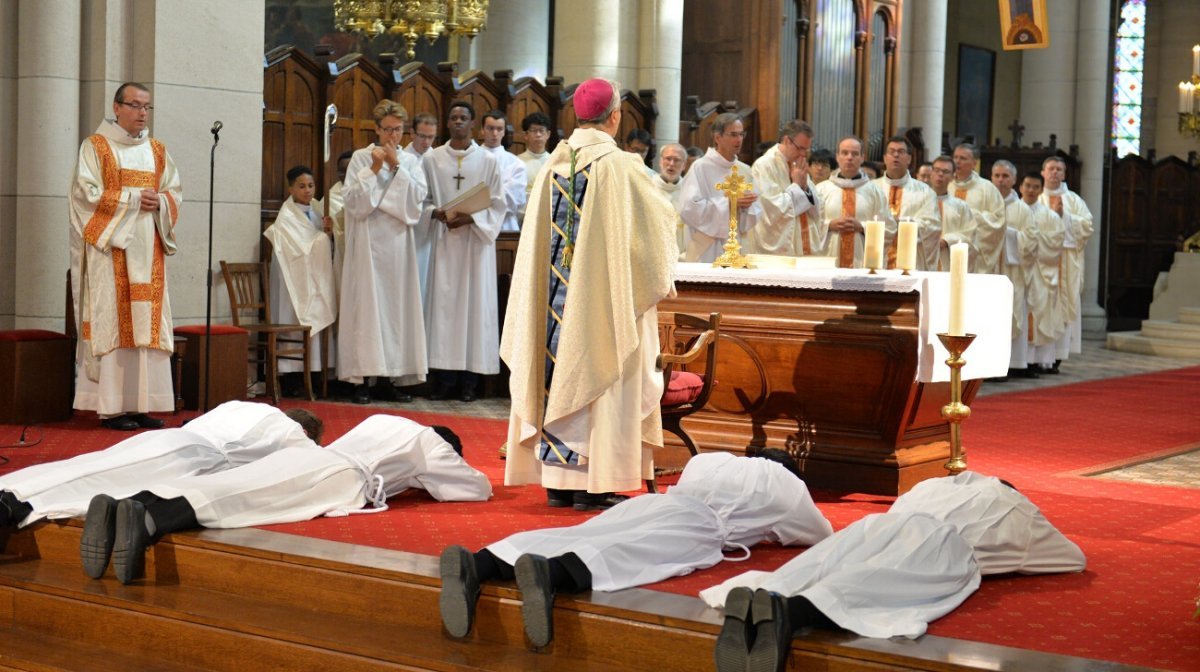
488	567
802	613
12	510
568	574
169	515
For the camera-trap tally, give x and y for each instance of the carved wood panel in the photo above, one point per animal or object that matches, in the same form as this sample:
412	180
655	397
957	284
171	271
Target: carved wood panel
421	91
529	96
356	89
291	123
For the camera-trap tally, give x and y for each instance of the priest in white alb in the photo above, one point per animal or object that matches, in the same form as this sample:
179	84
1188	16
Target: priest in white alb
704	209
382	328
537	128
787	196
911	199
669	180
1077	222
1019	257
597	254
512	169
957	219
988	207
461	316
1047	324
124	204
848	198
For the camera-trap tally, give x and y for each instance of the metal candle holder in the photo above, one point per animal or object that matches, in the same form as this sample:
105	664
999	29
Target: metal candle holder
956	411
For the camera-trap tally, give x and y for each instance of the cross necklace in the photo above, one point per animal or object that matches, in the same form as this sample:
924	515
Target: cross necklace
459	177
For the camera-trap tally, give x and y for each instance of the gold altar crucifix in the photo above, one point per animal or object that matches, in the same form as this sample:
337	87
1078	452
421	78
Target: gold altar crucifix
734	186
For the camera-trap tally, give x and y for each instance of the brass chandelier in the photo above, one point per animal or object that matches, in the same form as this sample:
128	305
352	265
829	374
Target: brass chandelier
411	19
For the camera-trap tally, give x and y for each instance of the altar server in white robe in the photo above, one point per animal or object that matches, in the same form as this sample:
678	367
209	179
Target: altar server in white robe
461	317
986	204
787	196
848	198
383	333
337	215
536	127
424	133
890	574
381	457
124	204
1077	222
669	180
1018	259
721	503
957	221
232	434
512	169
704	209
302	282
1047	324
909	198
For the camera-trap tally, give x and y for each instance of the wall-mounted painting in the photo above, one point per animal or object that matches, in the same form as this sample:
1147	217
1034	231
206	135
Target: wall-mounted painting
1023	24
976	73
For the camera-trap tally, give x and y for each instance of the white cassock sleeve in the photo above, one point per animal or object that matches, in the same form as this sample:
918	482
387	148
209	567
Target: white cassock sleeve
447	476
399	194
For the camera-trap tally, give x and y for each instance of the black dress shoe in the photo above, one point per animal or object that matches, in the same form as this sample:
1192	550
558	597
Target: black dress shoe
146	422
597	501
460	590
122	423
130	541
732	652
362	394
467	397
537	598
384	390
772	632
404	398
559	499
439	394
99	532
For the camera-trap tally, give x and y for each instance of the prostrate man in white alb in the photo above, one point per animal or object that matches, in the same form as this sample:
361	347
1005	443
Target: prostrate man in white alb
669	180
1018	262
1077	221
705	210
424	133
890	574
957	220
1043	285
848	199
986	204
512	169
581	331
232	434
381	457
303	289
909	198
124	204
787	197
537	128
461	317
382	331
721	503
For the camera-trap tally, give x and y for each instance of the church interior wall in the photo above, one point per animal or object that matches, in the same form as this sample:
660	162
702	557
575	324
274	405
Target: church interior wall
1168	62
977	23
8	161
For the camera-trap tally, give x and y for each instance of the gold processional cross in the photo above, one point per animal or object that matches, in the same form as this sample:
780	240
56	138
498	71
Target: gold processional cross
735	186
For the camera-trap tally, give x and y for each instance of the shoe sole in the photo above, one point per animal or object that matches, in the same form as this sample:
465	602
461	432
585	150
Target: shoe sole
129	548
96	542
732	652
537	599
455	601
765	655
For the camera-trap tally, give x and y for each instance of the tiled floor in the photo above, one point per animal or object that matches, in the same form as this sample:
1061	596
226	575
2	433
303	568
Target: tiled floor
1094	363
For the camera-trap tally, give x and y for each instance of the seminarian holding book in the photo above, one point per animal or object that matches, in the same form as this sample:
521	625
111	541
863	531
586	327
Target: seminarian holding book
461	316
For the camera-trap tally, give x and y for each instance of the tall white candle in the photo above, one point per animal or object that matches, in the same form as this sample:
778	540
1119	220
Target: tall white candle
1183	97
906	245
1196	61
958	283
873	253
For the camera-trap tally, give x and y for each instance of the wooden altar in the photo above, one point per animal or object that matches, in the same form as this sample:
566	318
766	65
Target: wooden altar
832	376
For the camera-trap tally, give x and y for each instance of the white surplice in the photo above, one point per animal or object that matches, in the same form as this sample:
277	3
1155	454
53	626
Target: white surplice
910	198
516	186
232	434
302	283
337	213
381	326
461	316
721	501
958	226
1019	257
870	203
382	456
533	165
1042	285
987	204
1077	222
672	191
788	226
705	211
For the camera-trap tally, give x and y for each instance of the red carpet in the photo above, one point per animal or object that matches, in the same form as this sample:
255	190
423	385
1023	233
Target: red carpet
1133	604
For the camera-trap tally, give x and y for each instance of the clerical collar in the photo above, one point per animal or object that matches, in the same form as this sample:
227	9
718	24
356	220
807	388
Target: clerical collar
900	182
678	180
848	182
1012	196
713	155
493	150
942	197
967	181
110	129
1062	189
461	152
536	155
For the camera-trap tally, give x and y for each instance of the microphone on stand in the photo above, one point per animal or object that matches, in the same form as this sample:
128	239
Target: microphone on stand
216	129
212	169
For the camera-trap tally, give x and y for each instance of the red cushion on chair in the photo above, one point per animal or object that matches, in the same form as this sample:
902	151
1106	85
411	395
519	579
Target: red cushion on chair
217	329
684	387
21	335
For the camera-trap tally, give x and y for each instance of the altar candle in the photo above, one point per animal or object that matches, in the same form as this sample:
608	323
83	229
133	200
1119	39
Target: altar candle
1196	61
958	282
906	245
1183	98
873	254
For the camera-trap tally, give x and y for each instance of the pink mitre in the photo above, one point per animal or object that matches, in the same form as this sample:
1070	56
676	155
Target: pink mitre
592	98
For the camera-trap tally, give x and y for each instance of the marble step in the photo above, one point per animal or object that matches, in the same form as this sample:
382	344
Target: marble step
1189	315
1180	331
1134	341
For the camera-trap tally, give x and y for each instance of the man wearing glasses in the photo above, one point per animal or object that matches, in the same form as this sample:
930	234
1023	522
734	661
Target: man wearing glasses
909	198
536	127
424	132
787	197
705	210
124	205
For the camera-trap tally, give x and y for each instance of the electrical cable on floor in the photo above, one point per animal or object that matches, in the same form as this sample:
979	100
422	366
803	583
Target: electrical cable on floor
22	442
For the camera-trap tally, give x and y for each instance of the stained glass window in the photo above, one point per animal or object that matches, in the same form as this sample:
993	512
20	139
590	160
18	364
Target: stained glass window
1127	78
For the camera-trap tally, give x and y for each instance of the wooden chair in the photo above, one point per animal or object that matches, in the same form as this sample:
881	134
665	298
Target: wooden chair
685	392
248	285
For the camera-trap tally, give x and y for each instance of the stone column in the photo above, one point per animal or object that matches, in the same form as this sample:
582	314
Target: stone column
660	61
1093	100
47	130
1048	78
516	39
596	39
8	162
927	81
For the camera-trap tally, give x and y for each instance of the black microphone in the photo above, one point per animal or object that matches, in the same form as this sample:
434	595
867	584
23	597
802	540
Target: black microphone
217	126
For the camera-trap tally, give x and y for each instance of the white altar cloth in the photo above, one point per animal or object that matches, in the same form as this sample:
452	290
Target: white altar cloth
988	307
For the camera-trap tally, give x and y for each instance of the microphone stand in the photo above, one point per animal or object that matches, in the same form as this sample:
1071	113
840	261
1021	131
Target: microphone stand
212	167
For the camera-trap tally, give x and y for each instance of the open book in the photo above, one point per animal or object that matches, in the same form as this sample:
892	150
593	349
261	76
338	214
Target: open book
470	201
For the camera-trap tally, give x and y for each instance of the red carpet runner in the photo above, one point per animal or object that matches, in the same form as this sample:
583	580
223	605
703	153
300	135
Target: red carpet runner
1132	605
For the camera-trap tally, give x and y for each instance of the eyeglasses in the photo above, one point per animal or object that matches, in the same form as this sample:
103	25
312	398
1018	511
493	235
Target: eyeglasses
896	151
138	107
390	129
942	171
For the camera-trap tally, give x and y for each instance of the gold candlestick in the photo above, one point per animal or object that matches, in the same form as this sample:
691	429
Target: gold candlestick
734	187
956	411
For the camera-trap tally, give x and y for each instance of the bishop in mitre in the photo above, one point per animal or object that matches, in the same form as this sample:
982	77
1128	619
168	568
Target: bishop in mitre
581	333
